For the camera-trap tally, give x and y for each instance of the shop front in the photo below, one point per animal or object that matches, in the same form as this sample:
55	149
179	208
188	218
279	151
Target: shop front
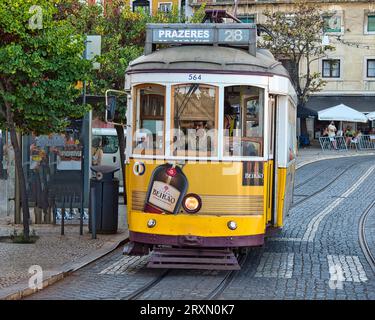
56	175
363	104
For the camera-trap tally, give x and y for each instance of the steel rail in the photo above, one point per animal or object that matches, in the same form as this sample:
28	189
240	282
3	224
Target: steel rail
362	237
309	179
216	293
139	292
325	187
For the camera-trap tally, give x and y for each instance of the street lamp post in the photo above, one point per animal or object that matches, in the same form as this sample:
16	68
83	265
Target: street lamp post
92	49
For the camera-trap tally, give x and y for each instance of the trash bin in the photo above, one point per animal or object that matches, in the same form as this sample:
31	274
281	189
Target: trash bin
104	193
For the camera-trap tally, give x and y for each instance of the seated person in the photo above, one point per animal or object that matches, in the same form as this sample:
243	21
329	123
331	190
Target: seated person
249	149
197	140
349	134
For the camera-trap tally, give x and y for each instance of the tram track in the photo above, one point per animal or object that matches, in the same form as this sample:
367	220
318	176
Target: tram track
141	291
362	236
225	283
311	178
324	188
215	293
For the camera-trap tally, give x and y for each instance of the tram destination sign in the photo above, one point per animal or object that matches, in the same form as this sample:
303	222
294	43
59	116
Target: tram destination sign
241	34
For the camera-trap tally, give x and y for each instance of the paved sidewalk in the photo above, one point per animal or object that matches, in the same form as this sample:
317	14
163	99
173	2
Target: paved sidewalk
57	255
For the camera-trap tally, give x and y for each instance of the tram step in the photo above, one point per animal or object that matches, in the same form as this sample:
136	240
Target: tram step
189	258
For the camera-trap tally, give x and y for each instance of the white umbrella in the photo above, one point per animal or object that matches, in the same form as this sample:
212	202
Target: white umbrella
371	115
341	112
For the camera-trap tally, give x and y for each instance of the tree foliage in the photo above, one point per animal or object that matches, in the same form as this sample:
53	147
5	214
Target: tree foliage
39	68
297	37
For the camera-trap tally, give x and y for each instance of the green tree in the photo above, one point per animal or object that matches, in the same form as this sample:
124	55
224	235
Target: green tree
40	63
297	37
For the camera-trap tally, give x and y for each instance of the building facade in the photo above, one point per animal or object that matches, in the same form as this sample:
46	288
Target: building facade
155	6
349	70
151	6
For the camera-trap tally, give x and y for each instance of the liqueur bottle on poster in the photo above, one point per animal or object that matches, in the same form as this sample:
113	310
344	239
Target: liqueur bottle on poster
166	189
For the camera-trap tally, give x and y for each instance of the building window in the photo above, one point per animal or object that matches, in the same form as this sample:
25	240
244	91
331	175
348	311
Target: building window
332	23
141	4
371	68
165	7
331	68
247	18
371	23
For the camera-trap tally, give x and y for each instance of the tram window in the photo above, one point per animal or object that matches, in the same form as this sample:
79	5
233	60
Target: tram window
243	121
194	123
149	120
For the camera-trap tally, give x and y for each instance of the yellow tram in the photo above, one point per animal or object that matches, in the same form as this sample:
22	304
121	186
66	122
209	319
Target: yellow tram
211	144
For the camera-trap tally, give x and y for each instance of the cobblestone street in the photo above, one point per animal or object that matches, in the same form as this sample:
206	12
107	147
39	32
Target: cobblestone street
317	255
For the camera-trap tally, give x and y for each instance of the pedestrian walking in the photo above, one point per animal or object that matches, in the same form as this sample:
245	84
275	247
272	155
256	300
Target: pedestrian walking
332	133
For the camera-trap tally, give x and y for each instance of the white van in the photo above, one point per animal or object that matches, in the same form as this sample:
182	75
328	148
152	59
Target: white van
111	150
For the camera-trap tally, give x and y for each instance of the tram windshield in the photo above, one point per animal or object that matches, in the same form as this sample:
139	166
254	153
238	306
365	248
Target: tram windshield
194	125
194	120
243	121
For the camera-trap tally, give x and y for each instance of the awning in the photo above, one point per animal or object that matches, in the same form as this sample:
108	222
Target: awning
342	112
303	112
361	103
371	115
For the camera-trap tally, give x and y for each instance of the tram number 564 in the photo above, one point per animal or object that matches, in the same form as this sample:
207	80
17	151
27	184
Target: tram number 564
233	35
194	76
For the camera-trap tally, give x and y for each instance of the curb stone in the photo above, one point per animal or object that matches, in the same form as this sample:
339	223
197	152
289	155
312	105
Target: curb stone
21	290
300	165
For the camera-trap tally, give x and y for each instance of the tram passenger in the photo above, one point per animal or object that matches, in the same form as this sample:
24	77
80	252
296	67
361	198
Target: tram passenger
197	139
249	149
229	118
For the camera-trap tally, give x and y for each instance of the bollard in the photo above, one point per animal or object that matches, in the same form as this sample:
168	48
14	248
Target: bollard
81	214
62	217
71	206
93	213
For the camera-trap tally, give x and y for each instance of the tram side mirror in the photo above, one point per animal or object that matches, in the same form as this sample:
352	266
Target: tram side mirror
111	103
112	97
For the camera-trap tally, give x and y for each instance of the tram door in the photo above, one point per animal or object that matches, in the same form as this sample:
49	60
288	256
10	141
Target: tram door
272	161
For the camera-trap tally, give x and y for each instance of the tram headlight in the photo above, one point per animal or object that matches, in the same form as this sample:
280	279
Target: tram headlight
151	223
192	203
232	225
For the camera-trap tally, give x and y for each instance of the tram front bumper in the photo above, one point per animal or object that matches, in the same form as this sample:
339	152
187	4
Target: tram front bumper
196	230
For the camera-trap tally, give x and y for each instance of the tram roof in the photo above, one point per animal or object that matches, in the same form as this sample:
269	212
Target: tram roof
212	59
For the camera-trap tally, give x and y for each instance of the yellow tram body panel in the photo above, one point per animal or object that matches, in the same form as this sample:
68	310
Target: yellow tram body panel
284	192
211	177
224	193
